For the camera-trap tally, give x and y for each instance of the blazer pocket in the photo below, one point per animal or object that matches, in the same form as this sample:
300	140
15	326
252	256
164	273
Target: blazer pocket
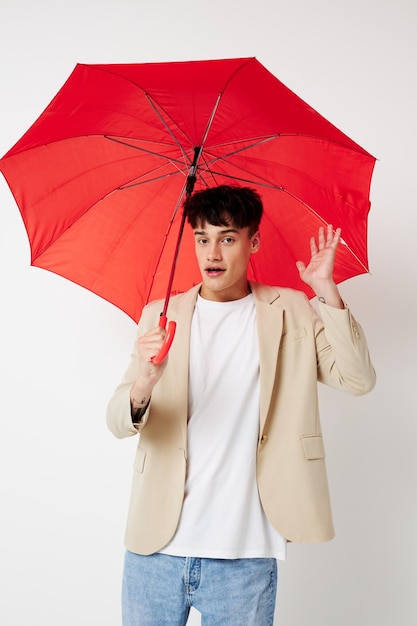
139	462
313	447
293	335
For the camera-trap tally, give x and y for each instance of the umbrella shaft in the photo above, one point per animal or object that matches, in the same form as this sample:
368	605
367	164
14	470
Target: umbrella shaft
191	179
174	263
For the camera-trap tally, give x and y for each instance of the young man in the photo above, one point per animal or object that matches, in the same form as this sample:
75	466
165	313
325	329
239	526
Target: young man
230	461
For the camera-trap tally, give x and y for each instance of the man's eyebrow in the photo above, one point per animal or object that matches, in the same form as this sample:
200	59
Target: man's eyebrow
221	232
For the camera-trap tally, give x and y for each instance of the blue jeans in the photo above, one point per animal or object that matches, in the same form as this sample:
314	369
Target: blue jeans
158	590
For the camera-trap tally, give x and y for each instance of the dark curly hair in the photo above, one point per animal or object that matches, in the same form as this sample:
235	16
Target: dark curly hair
223	205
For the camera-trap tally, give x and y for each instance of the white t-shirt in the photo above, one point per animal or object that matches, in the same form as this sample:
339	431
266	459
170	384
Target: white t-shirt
222	516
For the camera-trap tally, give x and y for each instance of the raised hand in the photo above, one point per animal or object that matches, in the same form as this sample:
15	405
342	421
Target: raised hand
318	274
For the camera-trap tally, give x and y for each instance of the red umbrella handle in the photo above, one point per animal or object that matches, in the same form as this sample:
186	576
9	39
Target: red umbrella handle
169	337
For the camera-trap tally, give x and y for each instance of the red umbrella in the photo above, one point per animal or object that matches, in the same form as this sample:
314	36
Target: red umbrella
100	177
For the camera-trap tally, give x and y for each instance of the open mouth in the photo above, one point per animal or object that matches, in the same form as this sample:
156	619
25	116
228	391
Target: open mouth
214	271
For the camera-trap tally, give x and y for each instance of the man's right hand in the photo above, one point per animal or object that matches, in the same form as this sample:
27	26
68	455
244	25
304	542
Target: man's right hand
148	346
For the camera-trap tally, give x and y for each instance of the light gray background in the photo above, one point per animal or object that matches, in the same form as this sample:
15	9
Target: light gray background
64	480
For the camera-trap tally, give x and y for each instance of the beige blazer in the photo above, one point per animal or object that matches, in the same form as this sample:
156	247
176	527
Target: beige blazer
297	349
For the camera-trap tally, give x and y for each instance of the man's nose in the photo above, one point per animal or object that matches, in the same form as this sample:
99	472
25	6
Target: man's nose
213	252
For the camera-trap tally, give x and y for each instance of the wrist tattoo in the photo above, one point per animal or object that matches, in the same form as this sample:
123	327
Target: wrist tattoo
140	402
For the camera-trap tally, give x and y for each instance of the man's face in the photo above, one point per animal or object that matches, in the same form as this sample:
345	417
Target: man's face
223	254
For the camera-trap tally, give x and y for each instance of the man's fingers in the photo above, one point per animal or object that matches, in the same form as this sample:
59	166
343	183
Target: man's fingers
313	246
150	344
300	265
322	238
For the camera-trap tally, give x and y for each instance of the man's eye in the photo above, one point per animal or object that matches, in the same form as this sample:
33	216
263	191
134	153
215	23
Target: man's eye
228	240
202	241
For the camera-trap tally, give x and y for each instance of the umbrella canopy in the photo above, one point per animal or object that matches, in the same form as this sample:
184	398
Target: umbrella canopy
100	177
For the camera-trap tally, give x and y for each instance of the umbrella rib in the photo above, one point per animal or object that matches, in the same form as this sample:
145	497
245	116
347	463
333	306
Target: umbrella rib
256	141
156	111
139	149
206	132
213	159
242	180
211	118
282	135
154	104
151	180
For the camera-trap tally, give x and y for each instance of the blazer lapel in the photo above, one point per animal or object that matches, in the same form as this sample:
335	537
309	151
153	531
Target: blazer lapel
181	311
269	320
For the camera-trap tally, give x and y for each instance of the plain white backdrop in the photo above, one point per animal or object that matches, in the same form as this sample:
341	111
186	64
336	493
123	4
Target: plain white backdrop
64	480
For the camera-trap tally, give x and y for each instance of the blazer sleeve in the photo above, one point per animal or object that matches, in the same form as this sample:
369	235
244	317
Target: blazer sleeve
343	359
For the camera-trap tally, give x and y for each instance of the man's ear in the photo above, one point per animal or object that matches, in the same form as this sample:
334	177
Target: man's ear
256	242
